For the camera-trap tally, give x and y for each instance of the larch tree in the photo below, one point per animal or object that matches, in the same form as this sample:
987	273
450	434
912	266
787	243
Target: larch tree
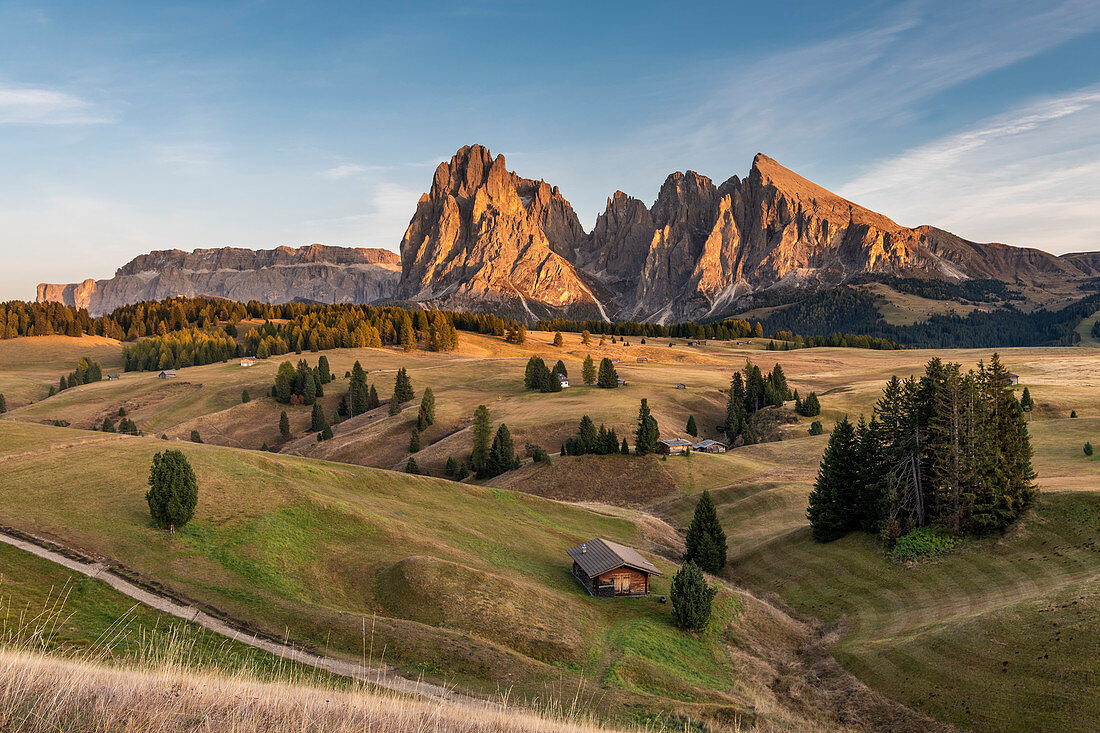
588	370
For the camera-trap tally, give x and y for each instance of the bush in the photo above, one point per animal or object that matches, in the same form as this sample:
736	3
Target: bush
923	543
1073	413
173	490
245	397
815	428
195	438
692	598
1088	448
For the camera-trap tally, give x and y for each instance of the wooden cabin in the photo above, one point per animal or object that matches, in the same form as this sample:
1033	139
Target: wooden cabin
681	385
608	569
673	447
167	374
247	361
709	446
1013	378
563	380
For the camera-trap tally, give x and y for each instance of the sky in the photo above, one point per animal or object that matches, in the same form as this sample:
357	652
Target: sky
132	126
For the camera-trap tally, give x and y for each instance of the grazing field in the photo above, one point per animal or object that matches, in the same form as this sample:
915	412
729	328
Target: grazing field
469	584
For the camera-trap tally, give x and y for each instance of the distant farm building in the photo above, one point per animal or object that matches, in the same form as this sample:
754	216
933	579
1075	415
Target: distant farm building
681	385
622	382
248	361
709	446
1013	378
167	374
564	380
697	342
673	447
642	359
112	377
609	569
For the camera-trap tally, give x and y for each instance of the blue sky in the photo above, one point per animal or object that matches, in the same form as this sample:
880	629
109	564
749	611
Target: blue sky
127	126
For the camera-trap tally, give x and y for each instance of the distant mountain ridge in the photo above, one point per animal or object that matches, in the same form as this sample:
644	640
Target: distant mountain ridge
483	238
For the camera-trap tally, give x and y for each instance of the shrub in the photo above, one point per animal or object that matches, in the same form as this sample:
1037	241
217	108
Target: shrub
195	438
923	543
692	598
1088	448
815	428
1073	413
173	490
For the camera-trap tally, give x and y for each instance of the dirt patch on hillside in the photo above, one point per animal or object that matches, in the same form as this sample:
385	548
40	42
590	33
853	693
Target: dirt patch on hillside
615	479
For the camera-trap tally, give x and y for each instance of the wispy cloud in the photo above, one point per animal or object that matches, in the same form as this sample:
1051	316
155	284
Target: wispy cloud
1028	177
390	206
352	170
31	106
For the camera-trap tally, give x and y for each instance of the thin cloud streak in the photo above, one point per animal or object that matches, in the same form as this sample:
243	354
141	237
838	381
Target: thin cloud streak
28	106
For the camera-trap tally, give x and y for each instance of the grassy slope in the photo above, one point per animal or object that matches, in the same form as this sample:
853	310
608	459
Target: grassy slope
48	609
458	582
28	366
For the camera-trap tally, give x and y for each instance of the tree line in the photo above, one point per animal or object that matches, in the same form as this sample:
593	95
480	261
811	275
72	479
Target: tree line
950	449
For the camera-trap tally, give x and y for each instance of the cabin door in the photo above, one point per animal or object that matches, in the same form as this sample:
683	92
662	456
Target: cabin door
622	585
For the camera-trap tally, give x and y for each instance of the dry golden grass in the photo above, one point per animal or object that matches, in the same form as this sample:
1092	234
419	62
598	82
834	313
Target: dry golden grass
40	694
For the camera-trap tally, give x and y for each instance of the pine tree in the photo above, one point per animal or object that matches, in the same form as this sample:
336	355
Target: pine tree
624	449
395	407
558	339
1073	413
414	440
502	454
317	419
829	515
326	432
810	406
173	490
1026	402
691	428
245	397
706	540
608	378
372	398
284	425
559	368
587	436
284	382
451	468
108	425
412	467
1088	448
816	428
3	404
426	415
195	437
692	598
323	369
586	338
588	370
647	434
482	435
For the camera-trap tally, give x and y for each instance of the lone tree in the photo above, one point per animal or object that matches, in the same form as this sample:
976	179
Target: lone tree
588	370
608	377
1088	448
245	397
411	466
1026	403
557	338
483	434
3	404
402	387
414	440
284	425
173	490
692	429
108	425
706	540
647	434
586	337
317	420
692	598
426	415
195	437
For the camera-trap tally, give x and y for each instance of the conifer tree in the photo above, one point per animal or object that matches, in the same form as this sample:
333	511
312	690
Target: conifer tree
412	467
451	468
624	449
326	432
414	440
558	339
426	415
323	369
284	382
245	397
395	408
284	425
372	398
692	598
482	435
108	425
691	428
317	419
588	370
3	404
810	406
586	338
502	454
608	378
706	540
173	490
1026	402
647	434
829	516
587	436
402	387
1088	448
195	437
559	368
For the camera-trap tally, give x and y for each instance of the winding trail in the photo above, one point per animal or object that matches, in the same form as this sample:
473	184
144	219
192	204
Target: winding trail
380	676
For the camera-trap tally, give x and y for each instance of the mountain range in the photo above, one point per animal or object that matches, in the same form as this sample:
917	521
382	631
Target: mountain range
483	238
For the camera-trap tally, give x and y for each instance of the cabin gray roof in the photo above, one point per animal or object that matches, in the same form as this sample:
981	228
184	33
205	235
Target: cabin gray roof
705	443
676	441
597	556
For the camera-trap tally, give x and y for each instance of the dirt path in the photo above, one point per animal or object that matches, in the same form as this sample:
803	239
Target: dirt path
382	676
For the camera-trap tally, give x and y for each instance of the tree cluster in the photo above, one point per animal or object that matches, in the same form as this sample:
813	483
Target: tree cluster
949	449
542	379
750	391
302	384
489	459
86	372
588	440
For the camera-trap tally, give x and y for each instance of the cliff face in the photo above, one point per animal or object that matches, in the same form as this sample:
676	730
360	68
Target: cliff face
483	236
316	272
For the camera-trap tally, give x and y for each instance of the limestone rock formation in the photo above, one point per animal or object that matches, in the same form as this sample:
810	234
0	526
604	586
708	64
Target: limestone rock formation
312	273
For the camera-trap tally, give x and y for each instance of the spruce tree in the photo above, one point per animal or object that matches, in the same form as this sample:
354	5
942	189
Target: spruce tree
810	406
323	369
559	368
692	598
587	436
402	387
558	339
588	371
317	419
608	378
426	414
482	435
691	428
414	440
706	540
326	432
502	454
284	425
412	467
195	437
647	434
173	490
108	425
245	397
816	428
829	513
451	468
586	338
372	398
284	382
3	404
624	449
1088	448
1026	402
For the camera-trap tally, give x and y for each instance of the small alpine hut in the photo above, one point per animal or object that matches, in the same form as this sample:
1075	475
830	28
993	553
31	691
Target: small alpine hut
608	569
1013	378
674	446
167	374
709	446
